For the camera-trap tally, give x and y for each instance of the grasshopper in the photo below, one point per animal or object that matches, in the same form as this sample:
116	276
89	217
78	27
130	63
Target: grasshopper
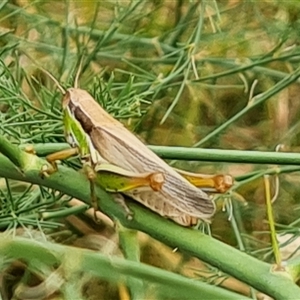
100	139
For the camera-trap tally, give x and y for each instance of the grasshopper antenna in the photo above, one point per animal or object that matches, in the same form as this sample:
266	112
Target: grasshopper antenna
62	90
78	72
54	80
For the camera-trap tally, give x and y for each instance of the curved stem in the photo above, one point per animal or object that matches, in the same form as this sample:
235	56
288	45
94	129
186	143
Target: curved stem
200	154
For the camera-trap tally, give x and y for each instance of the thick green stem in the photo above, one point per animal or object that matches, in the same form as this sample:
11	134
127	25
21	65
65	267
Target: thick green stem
236	156
110	268
12	152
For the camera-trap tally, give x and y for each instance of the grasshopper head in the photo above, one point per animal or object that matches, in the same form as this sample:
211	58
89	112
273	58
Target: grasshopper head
75	97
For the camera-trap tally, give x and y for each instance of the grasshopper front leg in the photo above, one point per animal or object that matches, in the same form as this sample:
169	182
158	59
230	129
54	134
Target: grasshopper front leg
87	168
64	154
54	157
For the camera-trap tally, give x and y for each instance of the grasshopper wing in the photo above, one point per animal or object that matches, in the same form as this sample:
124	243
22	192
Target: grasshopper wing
120	147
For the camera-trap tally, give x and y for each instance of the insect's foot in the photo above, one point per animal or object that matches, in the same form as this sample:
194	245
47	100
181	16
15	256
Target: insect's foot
47	170
96	219
44	172
129	216
30	149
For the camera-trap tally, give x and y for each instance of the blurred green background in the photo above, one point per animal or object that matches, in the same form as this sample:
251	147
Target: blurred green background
173	72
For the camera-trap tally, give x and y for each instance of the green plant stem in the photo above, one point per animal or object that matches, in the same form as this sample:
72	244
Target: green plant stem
270	216
245	178
235	156
200	154
232	261
131	249
64	213
110	268
47	148
12	152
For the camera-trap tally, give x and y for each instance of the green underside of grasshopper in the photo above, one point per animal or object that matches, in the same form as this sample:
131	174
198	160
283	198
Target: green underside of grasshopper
76	137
